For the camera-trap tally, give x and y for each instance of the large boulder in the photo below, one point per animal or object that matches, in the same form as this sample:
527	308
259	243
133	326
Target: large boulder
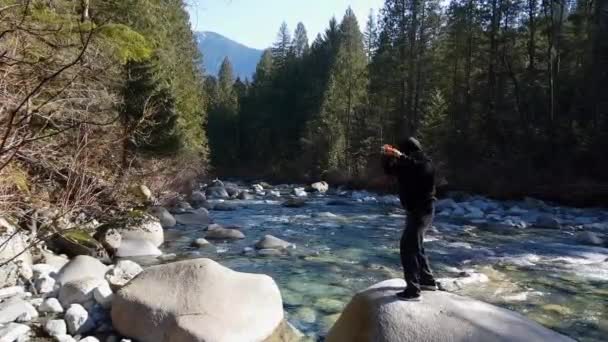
79	291
122	273
198	199
164	216
81	267
74	242
208	302
148	228
377	315
232	189
198	217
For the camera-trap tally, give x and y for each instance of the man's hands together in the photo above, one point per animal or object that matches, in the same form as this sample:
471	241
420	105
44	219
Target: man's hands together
390	151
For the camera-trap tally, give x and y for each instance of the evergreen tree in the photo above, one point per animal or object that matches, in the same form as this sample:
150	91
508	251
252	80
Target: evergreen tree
300	41
370	37
282	49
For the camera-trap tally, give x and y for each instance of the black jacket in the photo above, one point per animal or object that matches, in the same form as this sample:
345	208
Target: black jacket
416	176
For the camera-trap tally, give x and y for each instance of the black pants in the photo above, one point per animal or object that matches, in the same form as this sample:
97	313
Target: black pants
415	263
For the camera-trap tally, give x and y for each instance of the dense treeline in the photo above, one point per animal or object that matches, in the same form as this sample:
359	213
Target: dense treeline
512	90
95	95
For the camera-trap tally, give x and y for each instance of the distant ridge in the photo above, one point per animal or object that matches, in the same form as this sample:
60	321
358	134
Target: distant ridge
216	47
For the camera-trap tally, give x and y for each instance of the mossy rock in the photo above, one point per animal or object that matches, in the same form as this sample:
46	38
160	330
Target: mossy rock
76	242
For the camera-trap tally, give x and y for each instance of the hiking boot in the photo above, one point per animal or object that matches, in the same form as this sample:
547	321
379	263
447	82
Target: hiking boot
409	296
429	286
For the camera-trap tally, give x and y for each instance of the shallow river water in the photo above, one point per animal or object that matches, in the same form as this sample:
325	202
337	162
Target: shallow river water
480	248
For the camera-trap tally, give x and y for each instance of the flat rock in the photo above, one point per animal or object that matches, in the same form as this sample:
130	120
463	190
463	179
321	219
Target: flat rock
149	229
14	308
79	291
198	217
14	332
377	315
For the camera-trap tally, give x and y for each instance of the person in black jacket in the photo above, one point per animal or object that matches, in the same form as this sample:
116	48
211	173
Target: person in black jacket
416	176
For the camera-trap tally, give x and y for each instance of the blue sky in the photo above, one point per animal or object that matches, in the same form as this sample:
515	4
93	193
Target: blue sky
255	22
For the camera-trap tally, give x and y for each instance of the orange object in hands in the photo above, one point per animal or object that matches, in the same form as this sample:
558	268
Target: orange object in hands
390	151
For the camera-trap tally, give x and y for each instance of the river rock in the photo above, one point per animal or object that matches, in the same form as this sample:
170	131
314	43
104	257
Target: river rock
590	238
164	216
56	261
64	338
13	244
75	242
103	295
245	196
377	315
12	291
45	284
15	308
135	248
198	217
300	192
271	252
224	207
217	232
294	203
82	267
79	291
148	229
217	192
55	327
200	242
78	321
547	221
242	306
122	273
320	187
110	239
271	242
257	188
232	189
51	305
14	332
198	199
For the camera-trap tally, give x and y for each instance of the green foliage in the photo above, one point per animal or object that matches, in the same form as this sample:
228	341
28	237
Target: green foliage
128	45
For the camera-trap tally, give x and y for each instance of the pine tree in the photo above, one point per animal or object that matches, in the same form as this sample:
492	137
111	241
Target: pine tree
370	37
300	41
282	49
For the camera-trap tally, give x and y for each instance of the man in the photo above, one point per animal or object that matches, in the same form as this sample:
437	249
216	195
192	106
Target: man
416	175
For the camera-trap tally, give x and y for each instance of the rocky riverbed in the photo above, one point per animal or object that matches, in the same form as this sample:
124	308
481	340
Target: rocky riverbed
321	246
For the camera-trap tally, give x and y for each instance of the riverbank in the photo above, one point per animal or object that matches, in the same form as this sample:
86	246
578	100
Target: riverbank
549	263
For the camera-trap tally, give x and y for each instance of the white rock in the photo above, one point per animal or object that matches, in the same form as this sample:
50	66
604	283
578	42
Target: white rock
79	291
149	229
51	305
240	306
56	327
271	242
36	302
64	338
257	188
377	315
200	242
89	339
14	332
44	269
321	187
78	320
123	272
45	284
134	248
103	295
82	267
12	291
300	192
16	308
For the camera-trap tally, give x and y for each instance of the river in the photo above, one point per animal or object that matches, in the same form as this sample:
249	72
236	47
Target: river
488	250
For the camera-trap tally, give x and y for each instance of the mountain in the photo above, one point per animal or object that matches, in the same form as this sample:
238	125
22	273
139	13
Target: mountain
215	47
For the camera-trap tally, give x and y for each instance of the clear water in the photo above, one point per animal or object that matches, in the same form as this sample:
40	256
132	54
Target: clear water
540	273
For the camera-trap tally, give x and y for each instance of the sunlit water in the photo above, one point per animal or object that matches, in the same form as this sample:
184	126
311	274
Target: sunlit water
543	274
